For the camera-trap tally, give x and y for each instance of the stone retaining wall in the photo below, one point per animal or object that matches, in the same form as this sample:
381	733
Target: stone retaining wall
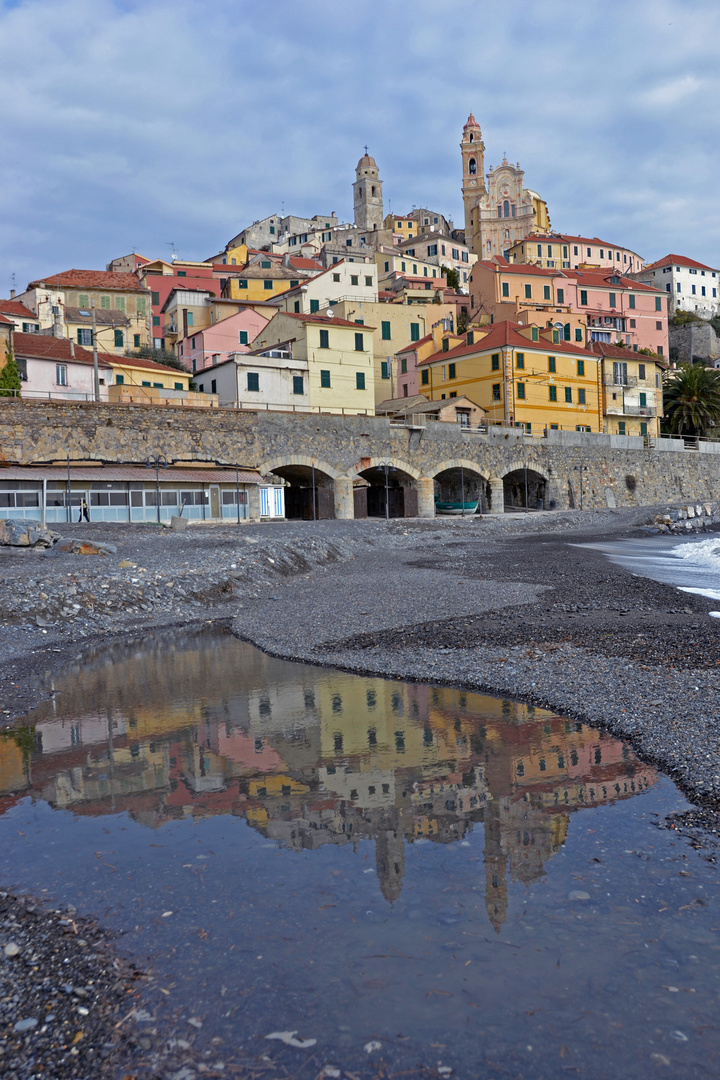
597	470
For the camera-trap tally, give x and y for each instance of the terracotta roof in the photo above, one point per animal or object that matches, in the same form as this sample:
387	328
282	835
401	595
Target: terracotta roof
504	334
15	307
601	348
669	260
527	269
367	160
92	279
567	238
103	316
325	320
44	347
141	362
5	321
414	344
301	263
601	279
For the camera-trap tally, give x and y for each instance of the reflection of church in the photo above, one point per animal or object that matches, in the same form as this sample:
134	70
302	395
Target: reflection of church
309	765
501	212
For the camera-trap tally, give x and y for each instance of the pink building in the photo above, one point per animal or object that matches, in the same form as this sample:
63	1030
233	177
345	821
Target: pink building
57	368
618	309
215	344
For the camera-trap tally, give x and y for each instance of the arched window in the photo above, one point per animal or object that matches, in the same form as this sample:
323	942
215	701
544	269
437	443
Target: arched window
372	191
472	166
360	192
506	209
472	137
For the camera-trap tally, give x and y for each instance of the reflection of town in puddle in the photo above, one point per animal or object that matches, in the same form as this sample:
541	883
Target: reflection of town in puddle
311	757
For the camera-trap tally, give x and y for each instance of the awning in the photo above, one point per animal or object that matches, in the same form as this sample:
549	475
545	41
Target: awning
134	473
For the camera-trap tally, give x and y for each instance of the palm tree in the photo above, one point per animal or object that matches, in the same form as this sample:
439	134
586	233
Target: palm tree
692	399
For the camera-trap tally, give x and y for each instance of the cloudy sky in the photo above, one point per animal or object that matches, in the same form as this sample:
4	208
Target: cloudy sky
138	124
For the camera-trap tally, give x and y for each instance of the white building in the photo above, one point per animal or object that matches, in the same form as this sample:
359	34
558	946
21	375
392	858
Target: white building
693	286
355	281
271	379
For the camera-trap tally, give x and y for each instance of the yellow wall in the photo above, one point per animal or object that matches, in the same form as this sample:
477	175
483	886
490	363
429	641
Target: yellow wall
404	264
256	290
475	377
136	376
617	398
526	251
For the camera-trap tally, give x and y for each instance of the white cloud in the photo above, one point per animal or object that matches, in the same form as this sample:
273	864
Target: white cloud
133	123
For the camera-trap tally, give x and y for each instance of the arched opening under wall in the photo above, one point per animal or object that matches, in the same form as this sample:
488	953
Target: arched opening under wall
524	489
390	492
309	494
461	491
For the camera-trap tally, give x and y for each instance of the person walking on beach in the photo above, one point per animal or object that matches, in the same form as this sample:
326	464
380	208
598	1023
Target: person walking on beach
84	513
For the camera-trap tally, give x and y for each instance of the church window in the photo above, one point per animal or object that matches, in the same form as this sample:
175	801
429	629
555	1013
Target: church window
472	138
505	288
507	236
372	191
500	210
506	209
513	209
360	192
472	166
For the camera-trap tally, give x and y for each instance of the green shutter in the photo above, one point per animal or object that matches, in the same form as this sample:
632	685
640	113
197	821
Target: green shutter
314	306
414	331
385	331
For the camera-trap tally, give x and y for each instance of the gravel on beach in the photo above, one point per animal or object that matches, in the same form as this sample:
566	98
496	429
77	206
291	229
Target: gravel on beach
514	606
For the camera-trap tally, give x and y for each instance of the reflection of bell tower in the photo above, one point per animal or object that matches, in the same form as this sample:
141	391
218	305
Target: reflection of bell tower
367	195
473	183
496	897
390	863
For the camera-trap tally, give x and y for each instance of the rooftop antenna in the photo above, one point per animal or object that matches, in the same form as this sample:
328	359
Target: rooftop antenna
171	245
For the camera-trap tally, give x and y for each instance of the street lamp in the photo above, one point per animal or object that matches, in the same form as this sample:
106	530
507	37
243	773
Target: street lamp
581	469
386	465
158	461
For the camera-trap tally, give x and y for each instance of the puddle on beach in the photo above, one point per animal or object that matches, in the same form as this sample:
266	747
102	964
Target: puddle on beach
467	882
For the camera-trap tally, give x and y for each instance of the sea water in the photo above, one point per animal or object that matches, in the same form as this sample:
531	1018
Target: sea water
692	566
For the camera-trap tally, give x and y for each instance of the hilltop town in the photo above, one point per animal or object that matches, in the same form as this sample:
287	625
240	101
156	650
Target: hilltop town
503	323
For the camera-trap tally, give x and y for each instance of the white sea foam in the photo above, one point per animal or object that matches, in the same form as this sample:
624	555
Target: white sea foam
692	566
706	553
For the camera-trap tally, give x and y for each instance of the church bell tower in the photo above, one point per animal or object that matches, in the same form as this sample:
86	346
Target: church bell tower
367	195
473	182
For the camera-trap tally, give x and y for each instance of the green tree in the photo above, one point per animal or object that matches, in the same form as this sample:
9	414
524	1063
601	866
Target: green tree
9	376
452	276
462	322
692	400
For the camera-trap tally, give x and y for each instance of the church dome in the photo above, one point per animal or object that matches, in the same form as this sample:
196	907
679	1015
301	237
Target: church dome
471	123
366	162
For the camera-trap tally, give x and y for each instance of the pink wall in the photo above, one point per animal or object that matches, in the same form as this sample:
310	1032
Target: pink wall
41	380
221	339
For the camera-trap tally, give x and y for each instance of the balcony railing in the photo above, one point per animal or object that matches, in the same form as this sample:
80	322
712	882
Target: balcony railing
615	380
620	408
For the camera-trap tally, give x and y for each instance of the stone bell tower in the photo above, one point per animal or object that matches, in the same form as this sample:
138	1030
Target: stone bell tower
473	182
367	195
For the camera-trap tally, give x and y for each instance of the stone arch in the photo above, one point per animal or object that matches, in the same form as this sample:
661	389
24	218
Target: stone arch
272	464
525	486
310	492
395	494
397	463
460	486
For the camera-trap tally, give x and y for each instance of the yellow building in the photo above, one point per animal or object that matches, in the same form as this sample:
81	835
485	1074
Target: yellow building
403	226
337	355
395	325
392	264
134	371
262	278
521	375
632	395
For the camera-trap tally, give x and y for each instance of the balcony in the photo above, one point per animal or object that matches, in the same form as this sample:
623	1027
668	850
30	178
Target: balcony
612	380
622	408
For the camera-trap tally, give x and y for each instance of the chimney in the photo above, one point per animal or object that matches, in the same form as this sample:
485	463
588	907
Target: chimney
12	294
72	348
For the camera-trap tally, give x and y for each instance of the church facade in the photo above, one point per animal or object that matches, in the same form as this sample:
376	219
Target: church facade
502	211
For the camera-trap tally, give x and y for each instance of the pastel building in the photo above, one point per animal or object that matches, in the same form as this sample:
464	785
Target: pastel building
214	344
689	285
562	251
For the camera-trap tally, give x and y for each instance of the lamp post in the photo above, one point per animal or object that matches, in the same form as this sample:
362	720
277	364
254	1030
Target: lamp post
157	460
312	466
96	371
237	491
581	469
386	465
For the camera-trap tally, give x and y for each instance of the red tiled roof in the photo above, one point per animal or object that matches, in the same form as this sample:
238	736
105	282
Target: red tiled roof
44	347
505	267
602	348
92	279
504	334
601	279
414	345
9	322
326	320
306	264
680	260
15	307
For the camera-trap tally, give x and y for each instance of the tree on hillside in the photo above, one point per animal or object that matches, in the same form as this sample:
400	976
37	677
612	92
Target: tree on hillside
9	375
691	396
452	277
